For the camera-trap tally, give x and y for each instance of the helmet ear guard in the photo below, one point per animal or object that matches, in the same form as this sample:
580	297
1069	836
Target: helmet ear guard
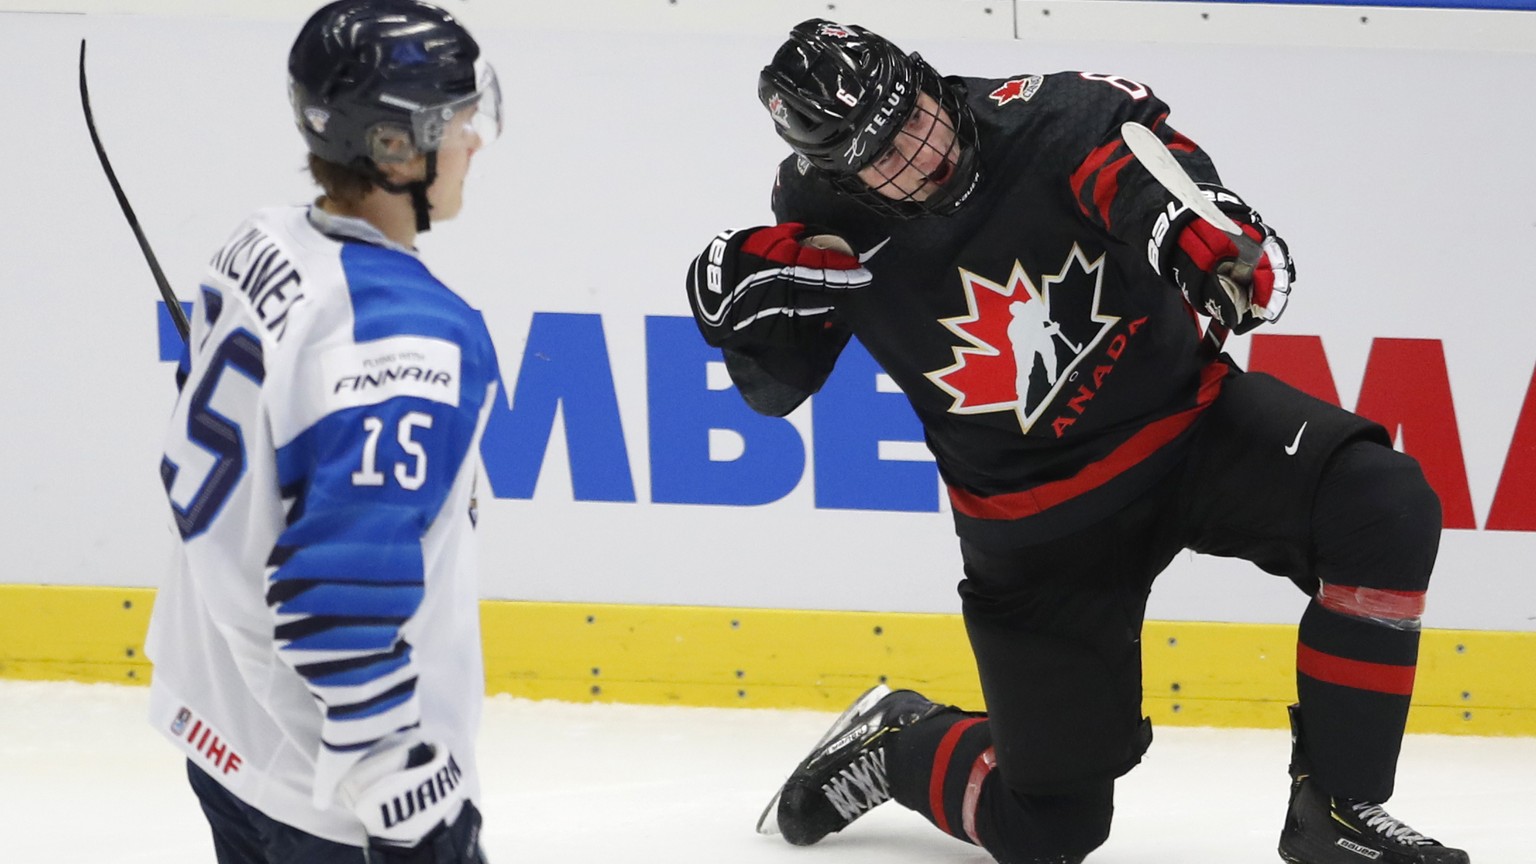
390	144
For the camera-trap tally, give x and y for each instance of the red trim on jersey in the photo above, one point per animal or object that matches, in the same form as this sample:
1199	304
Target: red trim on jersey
1361	675
1150	439
1108	186
979	771
1092	164
941	759
1178	141
1371	602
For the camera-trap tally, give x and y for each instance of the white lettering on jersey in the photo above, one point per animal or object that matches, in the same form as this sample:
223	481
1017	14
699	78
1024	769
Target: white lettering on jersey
256	266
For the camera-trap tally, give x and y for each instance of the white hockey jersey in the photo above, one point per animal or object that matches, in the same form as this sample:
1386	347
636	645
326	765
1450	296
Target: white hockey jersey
320	465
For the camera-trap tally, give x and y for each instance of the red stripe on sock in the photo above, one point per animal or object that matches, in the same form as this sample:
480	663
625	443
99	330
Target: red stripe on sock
940	770
979	771
1376	677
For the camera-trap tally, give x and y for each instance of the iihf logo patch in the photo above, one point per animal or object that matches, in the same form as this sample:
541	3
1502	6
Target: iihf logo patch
1022	89
179	725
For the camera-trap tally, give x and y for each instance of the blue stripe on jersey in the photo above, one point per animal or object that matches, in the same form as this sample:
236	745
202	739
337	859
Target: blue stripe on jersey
394	294
356	601
353	637
375	706
370	482
377	560
376	667
324	458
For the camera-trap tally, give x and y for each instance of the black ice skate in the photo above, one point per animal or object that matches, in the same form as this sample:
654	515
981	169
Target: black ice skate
1321	829
844	777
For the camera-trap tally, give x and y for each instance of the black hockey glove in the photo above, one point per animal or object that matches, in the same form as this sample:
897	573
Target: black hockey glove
1203	262
769	285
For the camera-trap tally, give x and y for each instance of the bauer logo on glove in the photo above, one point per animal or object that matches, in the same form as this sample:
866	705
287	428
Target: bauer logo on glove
768	284
1204	262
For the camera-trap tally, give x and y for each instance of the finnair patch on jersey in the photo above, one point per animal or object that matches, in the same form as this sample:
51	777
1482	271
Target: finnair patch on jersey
368	373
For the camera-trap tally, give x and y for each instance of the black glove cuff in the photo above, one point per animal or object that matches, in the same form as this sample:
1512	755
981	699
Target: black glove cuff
458	843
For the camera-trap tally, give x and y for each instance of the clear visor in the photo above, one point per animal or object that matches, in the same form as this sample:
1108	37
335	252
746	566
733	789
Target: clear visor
471	120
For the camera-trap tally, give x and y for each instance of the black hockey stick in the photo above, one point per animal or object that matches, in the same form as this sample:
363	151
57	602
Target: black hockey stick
171	303
1159	162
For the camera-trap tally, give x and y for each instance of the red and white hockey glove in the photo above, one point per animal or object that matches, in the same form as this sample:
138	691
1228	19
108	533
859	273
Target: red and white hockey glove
1204	263
772	284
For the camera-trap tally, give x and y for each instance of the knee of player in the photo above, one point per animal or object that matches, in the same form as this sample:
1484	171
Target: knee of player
1377	531
1415	517
1372	496
1413	507
1052	828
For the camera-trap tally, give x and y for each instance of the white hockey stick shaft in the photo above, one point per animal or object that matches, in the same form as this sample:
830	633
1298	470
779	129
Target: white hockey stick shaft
1159	162
1153	155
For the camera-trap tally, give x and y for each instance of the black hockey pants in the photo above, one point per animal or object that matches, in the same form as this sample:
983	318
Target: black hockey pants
1055	627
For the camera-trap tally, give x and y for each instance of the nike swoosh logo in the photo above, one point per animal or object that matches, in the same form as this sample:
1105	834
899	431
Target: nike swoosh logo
865	256
1291	449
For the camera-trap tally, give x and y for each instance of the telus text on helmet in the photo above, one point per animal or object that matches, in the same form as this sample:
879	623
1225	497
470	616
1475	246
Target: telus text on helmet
860	142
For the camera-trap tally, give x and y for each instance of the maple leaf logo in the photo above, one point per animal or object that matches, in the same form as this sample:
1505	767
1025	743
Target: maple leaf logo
1022	89
1022	342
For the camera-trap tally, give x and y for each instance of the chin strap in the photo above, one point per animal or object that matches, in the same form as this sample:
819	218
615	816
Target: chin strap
417	189
419	195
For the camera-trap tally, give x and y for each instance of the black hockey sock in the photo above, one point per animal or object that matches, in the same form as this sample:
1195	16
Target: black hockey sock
1376	529
944	768
931	763
1354	678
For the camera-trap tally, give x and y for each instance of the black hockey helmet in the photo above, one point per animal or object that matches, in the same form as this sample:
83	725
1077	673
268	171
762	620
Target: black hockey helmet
376	81
838	94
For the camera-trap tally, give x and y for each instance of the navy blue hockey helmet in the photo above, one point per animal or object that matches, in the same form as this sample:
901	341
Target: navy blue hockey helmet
839	94
378	81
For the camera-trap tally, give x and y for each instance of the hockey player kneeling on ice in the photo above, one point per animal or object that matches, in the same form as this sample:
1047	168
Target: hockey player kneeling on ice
1039	297
317	650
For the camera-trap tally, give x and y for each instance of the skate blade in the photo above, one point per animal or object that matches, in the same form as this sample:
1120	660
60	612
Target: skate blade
768	823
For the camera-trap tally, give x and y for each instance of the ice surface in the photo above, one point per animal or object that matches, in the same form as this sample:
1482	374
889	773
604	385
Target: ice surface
84	779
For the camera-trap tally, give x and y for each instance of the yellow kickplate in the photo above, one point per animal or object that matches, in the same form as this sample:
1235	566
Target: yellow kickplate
1195	673
74	633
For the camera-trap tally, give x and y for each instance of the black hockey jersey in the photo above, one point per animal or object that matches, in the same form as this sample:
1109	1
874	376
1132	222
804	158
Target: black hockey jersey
1056	373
